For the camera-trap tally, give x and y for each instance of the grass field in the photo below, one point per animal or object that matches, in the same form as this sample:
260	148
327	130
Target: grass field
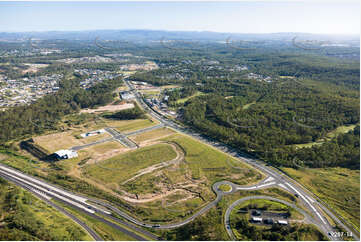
124	166
151	135
267	205
183	100
248	105
104	147
205	161
66	140
338	187
25	217
130	125
211	227
328	136
298	231
225	187
57	141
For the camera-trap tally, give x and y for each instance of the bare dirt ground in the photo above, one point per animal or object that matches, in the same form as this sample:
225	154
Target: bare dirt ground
34	67
98	157
3	156
109	107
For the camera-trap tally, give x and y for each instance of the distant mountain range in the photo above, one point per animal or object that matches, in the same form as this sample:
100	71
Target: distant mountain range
156	35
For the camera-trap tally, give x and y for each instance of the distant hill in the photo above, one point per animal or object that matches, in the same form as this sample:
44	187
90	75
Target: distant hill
156	35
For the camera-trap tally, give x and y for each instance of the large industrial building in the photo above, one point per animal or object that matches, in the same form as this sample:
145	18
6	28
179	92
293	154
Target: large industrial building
126	95
66	154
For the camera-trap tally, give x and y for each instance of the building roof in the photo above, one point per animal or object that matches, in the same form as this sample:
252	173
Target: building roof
64	152
282	222
257	219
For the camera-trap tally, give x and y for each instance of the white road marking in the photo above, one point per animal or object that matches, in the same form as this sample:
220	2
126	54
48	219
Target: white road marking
313	208
256	187
264	185
269	179
43	184
41	189
42	194
283	186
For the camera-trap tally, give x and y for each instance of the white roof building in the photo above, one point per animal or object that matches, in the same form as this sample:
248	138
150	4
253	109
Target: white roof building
255	219
126	95
283	222
66	154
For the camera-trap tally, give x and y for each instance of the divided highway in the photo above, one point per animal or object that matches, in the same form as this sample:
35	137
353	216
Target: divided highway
278	179
273	178
47	191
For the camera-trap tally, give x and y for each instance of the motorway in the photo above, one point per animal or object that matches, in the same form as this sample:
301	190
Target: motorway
47	191
275	177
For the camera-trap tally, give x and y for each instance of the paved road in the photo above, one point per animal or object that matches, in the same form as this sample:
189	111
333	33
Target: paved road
273	178
139	131
121	138
279	179
80	147
307	217
44	198
37	186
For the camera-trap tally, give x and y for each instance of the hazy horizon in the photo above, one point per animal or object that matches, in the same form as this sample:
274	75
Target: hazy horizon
318	17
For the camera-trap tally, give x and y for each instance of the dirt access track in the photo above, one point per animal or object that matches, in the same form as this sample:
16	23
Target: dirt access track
109	107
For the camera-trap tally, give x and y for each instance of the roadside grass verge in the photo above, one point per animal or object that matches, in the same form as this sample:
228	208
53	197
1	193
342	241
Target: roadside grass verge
151	135
211	225
105	231
338	187
25	217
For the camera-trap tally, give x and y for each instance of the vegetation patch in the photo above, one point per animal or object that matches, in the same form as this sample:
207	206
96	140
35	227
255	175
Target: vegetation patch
338	187
124	166
152	135
25	217
205	161
225	188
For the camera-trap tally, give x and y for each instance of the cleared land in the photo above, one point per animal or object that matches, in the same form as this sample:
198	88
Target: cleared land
183	100
328	136
122	167
109	108
130	125
151	135
205	161
66	140
338	187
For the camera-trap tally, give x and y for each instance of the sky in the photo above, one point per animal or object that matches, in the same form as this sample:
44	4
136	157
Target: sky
336	17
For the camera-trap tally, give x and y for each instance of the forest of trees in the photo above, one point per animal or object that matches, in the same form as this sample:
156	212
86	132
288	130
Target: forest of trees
25	121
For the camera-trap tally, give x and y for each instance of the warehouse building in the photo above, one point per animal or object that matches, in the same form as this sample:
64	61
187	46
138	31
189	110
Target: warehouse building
66	154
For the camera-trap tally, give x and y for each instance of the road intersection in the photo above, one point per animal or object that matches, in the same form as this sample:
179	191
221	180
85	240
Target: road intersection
273	178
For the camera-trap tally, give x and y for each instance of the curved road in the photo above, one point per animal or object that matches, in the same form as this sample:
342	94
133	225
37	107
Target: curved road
278	179
239	201
273	179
